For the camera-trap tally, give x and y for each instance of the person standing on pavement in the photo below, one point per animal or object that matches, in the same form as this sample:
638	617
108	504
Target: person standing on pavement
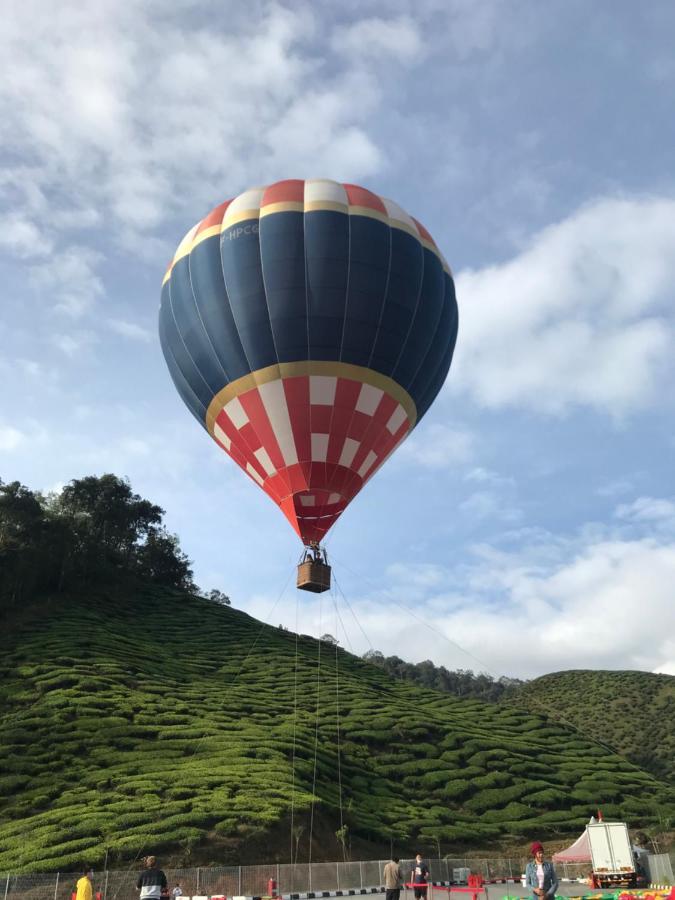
84	889
420	877
151	881
540	875
393	879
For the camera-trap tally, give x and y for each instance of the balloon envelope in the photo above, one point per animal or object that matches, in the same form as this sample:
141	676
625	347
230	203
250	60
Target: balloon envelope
308	326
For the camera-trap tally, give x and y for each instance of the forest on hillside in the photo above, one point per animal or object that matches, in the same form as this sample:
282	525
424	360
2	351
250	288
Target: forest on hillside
85	534
461	682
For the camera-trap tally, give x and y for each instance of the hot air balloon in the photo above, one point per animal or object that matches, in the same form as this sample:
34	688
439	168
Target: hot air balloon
308	326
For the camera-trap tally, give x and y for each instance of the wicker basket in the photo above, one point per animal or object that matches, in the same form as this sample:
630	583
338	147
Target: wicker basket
313	576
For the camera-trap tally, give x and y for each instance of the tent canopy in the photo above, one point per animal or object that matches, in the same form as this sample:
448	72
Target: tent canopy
579	851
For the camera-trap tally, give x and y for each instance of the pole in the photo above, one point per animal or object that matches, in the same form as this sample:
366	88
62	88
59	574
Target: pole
56	886
361	872
105	889
198	880
7	886
239	880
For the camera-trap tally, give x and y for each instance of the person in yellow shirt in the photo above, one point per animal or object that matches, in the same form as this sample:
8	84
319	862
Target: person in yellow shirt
84	888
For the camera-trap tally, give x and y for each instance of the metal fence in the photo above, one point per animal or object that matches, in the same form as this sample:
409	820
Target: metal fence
253	880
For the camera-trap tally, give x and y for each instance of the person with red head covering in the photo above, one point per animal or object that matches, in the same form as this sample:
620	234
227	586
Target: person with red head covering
540	875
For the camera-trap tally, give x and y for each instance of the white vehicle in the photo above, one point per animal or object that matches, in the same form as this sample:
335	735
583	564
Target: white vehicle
612	855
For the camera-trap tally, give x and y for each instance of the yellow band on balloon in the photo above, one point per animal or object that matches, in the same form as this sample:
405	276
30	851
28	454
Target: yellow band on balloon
310	367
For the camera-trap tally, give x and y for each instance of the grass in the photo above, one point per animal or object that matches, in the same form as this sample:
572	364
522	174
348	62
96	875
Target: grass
142	719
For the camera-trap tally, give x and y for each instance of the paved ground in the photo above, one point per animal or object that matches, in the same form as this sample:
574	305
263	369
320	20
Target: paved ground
495	892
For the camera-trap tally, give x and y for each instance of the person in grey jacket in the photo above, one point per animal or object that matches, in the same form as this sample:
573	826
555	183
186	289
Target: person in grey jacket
540	875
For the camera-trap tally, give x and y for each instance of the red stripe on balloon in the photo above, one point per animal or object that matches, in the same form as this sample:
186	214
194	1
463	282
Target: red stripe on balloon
359	196
290	191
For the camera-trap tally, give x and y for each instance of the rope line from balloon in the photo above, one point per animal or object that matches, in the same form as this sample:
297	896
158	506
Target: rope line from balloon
316	731
337	725
295	720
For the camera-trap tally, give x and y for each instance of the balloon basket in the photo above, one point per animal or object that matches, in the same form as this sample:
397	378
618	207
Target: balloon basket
314	571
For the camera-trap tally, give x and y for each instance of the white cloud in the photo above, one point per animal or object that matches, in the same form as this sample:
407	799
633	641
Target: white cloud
31	367
437	446
22	237
480	475
399	38
615	488
648	509
68	281
132	446
73	343
419	575
580	318
10	438
130	330
666	669
489	505
148	119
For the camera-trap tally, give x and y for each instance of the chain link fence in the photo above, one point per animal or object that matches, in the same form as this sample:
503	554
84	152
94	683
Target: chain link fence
252	881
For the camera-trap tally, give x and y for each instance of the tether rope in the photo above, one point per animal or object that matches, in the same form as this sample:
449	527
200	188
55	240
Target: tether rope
295	722
316	732
337	726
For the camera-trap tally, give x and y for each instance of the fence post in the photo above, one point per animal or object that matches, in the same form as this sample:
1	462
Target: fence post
197	879
278	880
56	886
510	869
310	874
239	880
7	885
361	872
337	875
105	888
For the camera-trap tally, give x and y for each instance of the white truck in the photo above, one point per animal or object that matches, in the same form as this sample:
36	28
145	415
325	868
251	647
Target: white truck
611	854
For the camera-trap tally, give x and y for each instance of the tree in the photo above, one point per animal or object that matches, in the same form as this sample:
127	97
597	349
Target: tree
329	639
297	834
107	517
94	528
161	559
22	543
341	835
218	597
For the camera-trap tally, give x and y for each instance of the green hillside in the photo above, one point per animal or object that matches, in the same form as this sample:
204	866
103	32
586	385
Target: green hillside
145	718
632	711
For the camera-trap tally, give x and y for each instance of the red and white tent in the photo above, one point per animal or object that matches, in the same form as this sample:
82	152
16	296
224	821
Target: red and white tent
579	851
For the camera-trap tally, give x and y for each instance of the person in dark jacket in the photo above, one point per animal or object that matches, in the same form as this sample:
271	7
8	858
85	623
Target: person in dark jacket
420	877
540	875
151	881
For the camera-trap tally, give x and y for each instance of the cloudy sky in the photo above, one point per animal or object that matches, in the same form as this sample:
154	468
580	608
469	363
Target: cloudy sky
528	525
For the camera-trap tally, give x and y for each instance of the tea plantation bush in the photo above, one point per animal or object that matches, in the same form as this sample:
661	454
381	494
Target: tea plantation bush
113	752
634	712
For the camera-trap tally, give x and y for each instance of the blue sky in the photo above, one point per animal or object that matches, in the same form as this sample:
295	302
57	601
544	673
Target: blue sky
530	519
